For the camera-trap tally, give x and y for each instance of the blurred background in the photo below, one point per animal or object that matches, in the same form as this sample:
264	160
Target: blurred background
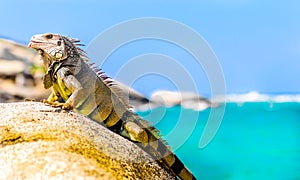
256	42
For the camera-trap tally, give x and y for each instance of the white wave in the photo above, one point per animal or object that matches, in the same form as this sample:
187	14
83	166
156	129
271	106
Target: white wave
255	96
287	98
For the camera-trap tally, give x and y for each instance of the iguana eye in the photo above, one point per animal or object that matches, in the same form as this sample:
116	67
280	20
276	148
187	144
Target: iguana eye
49	36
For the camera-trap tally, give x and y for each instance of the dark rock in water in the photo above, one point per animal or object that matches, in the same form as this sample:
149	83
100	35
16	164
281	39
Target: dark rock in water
185	99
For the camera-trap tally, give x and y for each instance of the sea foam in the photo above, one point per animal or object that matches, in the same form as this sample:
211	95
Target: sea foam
255	96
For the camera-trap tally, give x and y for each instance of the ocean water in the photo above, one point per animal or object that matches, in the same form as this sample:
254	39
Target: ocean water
256	140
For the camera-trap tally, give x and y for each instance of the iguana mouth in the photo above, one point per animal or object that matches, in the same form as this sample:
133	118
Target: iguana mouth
31	43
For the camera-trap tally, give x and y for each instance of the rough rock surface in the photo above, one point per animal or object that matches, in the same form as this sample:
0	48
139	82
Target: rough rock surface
40	142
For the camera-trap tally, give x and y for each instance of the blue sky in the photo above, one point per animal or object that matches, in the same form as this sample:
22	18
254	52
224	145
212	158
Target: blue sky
257	42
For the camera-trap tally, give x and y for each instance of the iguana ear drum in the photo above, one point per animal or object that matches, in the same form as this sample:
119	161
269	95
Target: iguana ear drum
58	55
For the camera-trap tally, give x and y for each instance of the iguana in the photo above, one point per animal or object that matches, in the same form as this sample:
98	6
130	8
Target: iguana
84	88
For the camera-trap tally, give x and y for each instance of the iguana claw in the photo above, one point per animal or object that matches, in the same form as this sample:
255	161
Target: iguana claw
29	100
64	106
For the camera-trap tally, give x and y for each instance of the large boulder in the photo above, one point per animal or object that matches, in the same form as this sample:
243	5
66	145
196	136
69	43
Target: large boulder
40	142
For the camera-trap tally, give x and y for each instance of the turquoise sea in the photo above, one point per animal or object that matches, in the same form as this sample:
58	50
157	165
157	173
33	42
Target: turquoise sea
256	140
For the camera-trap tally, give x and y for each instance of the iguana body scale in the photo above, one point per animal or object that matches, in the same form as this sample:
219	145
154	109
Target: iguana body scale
85	89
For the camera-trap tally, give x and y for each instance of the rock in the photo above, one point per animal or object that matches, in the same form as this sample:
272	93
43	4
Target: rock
11	67
40	142
16	58
20	73
134	98
188	100
166	98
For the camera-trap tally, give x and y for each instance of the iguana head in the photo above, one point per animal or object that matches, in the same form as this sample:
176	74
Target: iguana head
49	45
55	48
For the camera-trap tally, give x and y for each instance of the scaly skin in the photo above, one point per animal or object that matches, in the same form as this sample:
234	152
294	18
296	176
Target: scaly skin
85	89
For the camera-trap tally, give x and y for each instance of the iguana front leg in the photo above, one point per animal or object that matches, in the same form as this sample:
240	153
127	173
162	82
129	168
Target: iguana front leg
53	99
57	104
67	87
71	89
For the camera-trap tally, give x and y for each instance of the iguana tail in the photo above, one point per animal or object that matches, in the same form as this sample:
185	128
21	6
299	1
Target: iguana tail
131	126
